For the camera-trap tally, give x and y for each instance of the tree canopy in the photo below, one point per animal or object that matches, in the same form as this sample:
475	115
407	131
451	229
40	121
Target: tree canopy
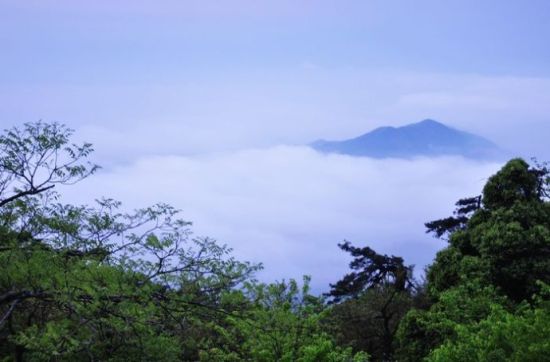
95	282
495	267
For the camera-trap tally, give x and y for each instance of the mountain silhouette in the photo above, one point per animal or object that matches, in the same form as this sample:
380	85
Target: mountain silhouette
427	138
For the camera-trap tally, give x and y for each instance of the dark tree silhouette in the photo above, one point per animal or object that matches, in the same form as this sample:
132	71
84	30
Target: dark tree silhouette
369	270
371	300
465	209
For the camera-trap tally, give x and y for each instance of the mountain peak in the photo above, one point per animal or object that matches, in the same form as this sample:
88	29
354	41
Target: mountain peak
428	123
425	138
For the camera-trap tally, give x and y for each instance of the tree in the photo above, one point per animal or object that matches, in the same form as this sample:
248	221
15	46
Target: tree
94	282
282	324
370	301
423	329
521	335
37	157
497	258
507	238
465	208
370	270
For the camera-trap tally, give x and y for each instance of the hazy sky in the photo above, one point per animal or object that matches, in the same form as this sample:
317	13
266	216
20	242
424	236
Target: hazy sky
189	101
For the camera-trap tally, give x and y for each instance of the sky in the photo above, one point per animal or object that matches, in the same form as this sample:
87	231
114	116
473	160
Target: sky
208	105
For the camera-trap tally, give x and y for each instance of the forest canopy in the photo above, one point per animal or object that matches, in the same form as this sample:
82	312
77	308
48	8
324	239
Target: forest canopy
101	283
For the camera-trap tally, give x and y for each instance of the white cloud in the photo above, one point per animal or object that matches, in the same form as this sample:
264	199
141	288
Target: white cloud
288	207
222	112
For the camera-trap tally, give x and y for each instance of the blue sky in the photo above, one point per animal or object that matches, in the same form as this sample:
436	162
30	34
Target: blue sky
187	101
133	41
270	72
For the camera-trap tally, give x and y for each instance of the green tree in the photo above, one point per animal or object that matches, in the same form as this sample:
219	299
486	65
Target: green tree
96	283
422	330
282	324
506	241
520	335
498	253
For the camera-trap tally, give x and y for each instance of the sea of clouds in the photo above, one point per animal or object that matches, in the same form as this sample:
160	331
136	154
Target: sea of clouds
289	206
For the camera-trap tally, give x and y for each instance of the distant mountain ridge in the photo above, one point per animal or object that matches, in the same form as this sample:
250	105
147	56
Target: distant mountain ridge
427	138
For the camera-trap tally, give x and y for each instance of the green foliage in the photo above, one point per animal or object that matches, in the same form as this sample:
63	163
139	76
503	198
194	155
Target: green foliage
422	330
112	300
507	239
39	156
515	182
494	262
94	282
503	336
281	325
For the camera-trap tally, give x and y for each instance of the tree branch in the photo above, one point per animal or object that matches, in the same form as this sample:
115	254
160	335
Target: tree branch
32	191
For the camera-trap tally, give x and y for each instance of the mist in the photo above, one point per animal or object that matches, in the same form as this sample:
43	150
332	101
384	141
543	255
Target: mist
288	207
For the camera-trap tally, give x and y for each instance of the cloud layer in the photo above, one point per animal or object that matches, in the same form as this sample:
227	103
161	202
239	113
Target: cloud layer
288	207
229	112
